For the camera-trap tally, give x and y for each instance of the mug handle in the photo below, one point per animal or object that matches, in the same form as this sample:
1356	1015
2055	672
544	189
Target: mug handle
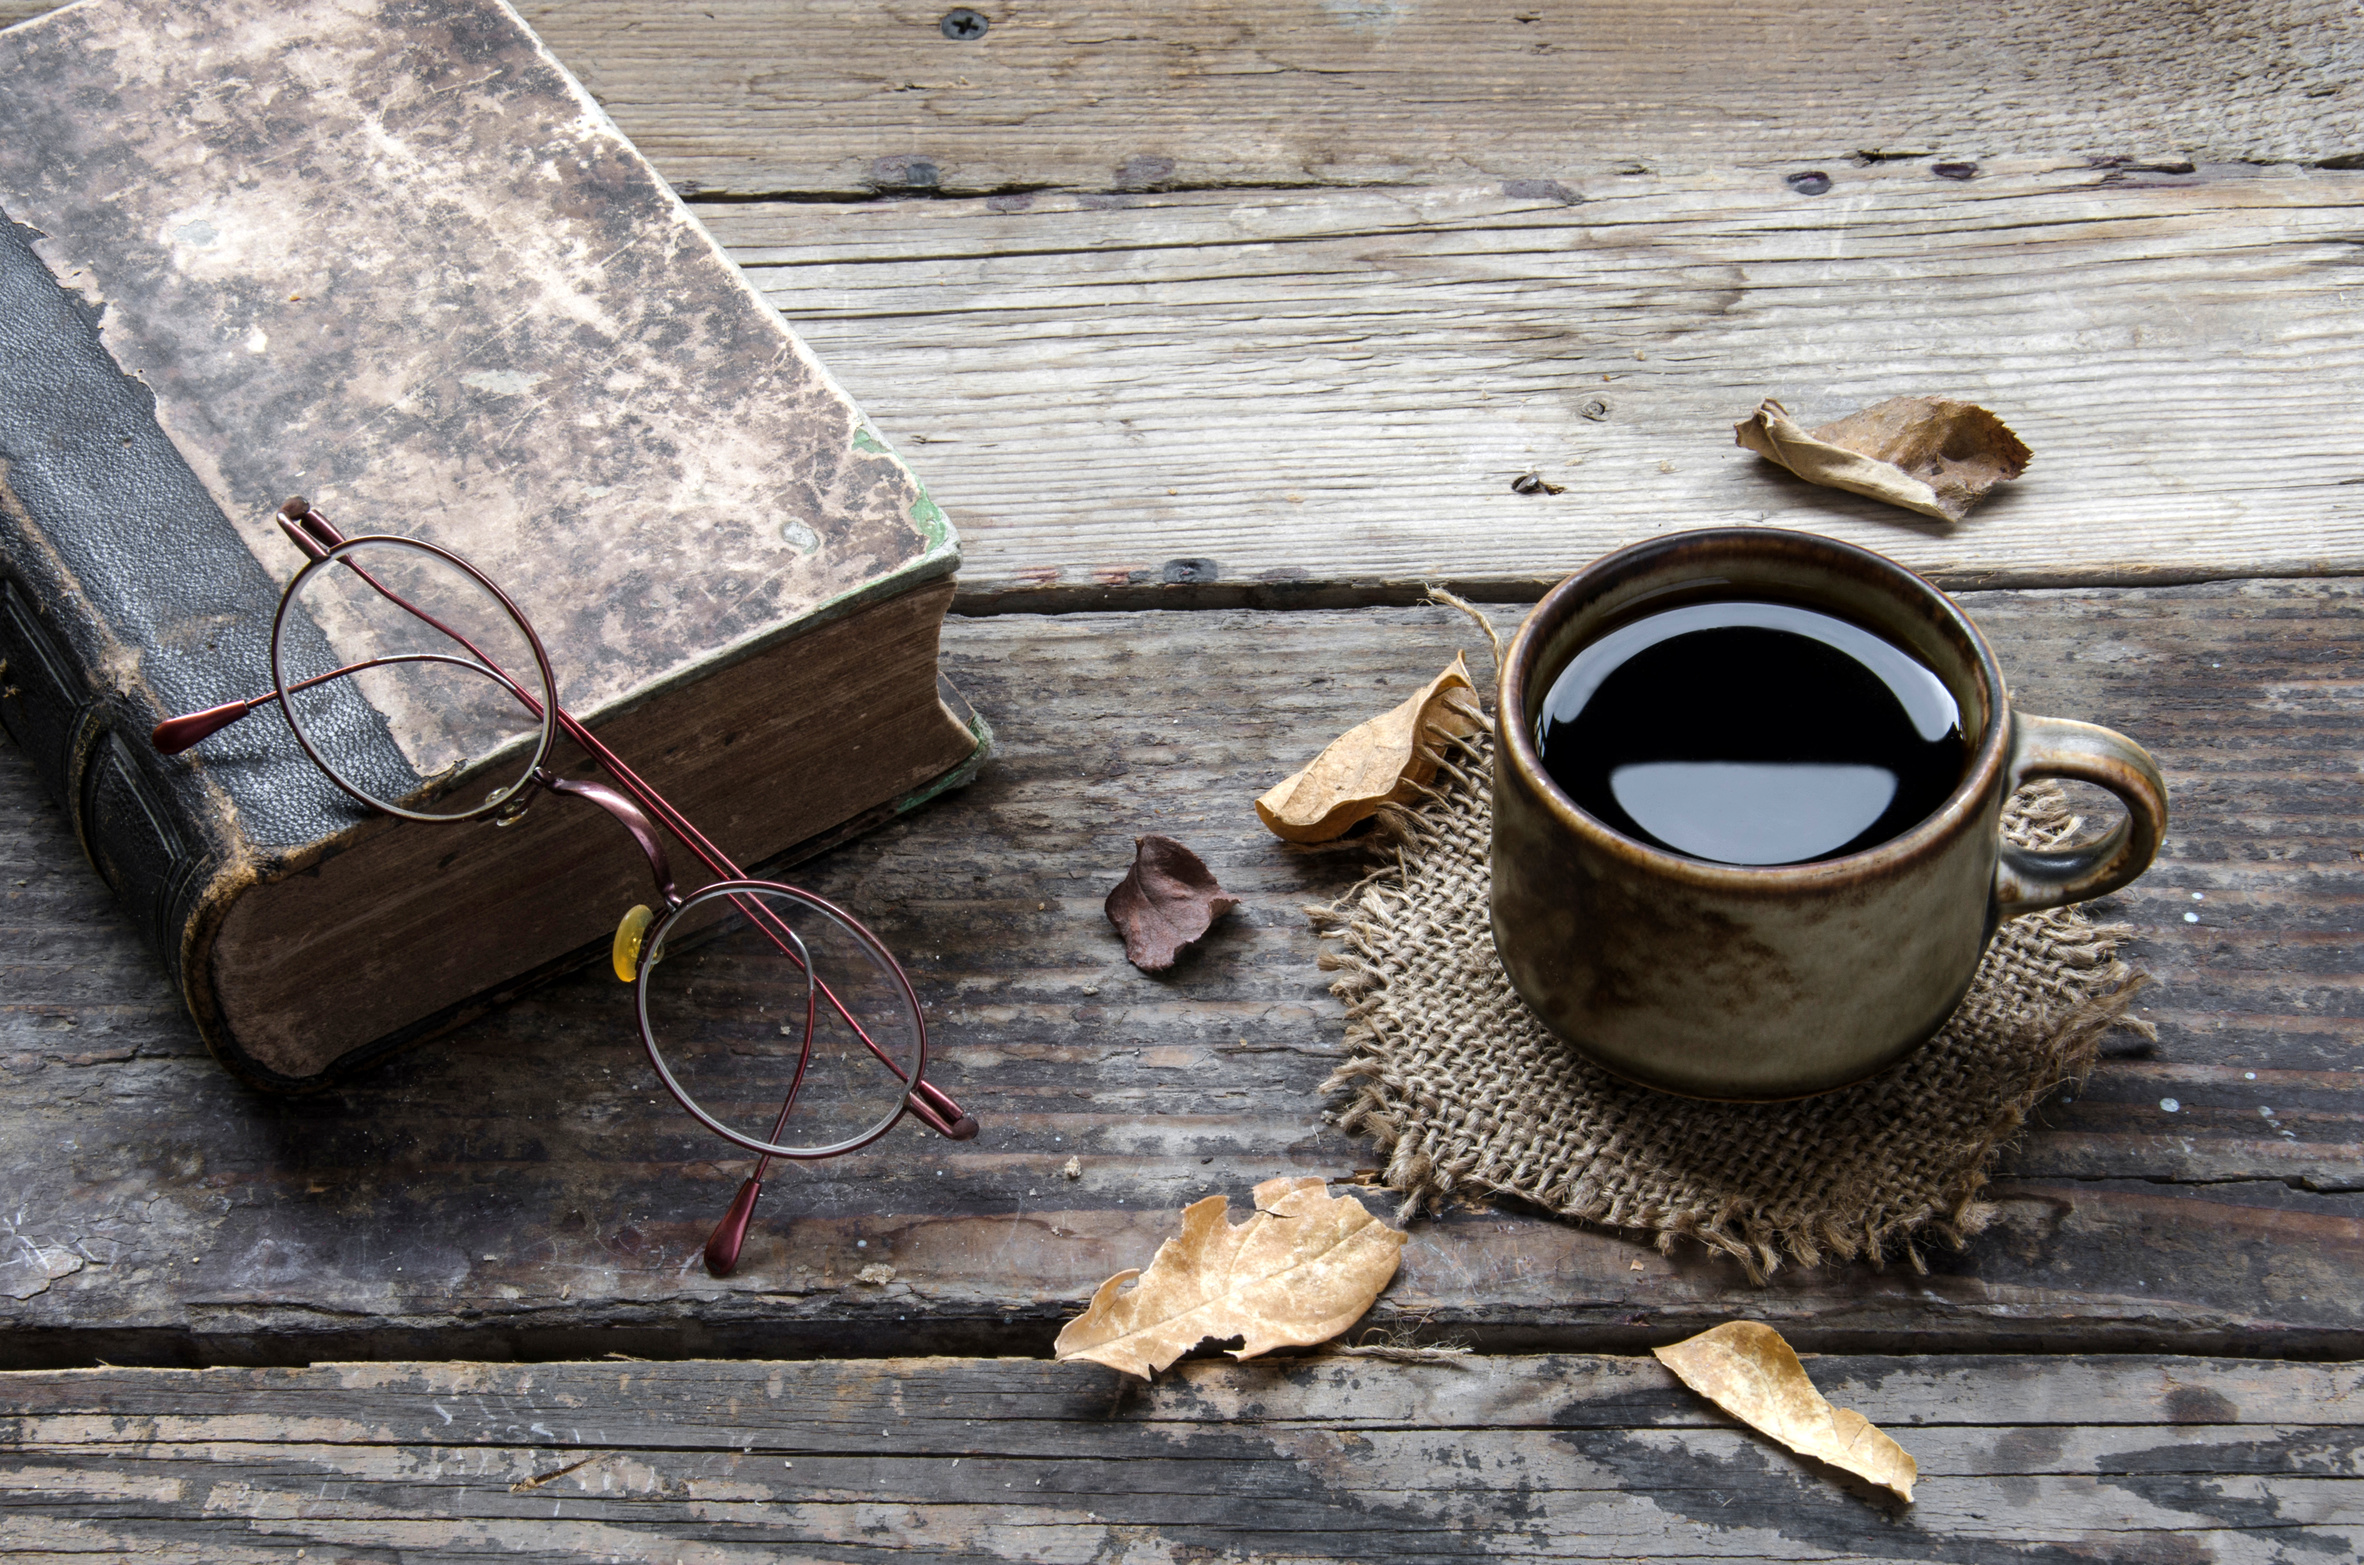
2028	880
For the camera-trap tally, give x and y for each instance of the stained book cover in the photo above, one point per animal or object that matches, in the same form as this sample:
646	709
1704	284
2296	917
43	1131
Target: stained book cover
389	254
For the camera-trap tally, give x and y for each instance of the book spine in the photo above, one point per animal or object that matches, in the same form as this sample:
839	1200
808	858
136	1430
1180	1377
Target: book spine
109	549
136	841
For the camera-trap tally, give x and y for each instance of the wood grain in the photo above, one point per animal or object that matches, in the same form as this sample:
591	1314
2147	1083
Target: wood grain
856	97
521	1189
1294	398
736	96
1321	1458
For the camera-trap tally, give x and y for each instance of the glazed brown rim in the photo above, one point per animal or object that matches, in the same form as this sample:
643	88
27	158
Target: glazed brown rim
1959	811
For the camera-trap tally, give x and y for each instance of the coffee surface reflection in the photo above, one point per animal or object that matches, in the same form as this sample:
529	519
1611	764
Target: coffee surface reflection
1751	733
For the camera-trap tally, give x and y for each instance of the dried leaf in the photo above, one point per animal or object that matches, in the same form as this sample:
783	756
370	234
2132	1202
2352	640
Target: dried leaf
1166	900
1924	453
1383	761
1748	1371
1301	1270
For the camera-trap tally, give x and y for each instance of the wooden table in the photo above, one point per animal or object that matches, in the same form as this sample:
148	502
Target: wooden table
1220	330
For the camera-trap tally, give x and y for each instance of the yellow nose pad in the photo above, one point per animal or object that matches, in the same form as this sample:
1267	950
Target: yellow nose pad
629	934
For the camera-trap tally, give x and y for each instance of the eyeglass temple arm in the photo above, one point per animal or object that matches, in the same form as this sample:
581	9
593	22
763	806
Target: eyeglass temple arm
631	817
176	734
311	532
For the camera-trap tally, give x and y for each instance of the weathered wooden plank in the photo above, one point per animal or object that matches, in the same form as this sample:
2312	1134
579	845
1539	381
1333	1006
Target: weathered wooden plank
831	1406
1294	398
1291	92
735	97
520	1188
1327	1457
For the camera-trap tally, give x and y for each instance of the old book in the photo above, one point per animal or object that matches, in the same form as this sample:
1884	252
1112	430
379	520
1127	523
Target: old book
394	257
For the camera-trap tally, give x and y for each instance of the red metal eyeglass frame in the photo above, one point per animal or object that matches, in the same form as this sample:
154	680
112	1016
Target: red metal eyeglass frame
633	808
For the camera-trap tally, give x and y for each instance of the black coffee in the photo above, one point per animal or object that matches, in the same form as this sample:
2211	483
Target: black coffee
1752	733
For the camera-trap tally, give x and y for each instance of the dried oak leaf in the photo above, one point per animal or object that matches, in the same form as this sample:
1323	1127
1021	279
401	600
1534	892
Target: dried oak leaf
1748	1371
1303	1268
1166	900
1384	761
1924	453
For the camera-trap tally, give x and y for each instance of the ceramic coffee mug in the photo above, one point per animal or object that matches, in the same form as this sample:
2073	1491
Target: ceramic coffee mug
1760	982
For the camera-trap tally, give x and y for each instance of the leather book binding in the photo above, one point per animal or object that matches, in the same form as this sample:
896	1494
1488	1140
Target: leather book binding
391	255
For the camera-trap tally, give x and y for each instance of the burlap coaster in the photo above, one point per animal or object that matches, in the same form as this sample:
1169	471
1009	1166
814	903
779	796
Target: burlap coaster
1466	1092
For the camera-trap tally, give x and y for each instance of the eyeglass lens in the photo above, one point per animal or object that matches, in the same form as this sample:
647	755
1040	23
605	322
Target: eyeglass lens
745	1022
441	725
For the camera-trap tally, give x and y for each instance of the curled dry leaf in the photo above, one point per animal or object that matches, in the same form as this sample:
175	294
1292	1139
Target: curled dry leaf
1748	1371
1924	453
1300	1270
1166	900
1383	761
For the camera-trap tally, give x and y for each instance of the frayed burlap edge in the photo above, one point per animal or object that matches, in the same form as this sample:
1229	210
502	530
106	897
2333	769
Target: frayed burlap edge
1870	1171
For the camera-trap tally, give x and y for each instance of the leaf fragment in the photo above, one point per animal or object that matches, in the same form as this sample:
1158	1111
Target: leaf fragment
1166	900
1302	1268
1383	761
1927	454
1748	1370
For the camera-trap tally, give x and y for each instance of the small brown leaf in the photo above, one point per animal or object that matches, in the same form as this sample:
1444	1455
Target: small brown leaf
1924	453
1168	899
1383	761
1302	1269
1748	1371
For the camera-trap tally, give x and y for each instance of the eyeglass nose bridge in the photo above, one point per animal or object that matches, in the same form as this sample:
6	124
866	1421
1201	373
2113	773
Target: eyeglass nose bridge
628	814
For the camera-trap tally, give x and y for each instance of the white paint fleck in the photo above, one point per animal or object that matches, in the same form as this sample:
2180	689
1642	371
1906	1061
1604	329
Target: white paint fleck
800	537
2249	1075
2169	1104
2191	918
2267	1112
258	341
2199	896
503	383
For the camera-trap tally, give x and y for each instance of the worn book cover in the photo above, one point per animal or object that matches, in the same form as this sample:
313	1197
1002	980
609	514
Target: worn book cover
389	254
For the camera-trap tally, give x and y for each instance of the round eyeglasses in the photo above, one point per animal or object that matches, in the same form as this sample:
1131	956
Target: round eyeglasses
772	1016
